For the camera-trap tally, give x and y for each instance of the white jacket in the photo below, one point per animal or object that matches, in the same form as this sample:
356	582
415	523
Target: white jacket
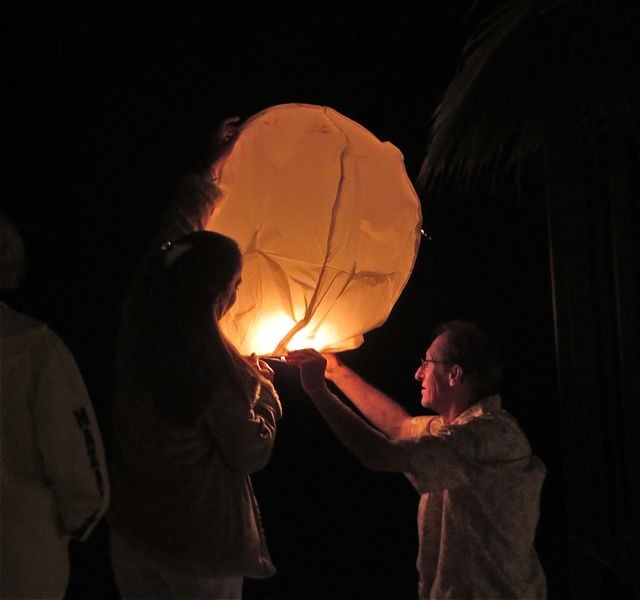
54	483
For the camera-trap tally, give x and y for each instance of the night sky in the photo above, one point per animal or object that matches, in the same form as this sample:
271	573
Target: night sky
110	108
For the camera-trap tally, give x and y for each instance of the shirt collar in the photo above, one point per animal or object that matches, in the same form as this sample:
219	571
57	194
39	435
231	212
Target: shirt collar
486	405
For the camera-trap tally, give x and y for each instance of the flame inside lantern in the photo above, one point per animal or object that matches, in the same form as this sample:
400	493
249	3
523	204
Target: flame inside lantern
274	328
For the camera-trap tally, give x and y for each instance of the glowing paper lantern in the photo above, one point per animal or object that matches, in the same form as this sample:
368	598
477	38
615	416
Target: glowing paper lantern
329	226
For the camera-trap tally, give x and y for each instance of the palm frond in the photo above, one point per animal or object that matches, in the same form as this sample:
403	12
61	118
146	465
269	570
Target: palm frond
491	111
491	116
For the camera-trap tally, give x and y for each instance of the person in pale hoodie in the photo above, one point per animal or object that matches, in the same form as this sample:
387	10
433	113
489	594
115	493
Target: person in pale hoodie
53	480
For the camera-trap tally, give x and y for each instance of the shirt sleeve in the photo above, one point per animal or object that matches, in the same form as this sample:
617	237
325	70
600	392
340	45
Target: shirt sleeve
68	438
439	461
244	430
418	426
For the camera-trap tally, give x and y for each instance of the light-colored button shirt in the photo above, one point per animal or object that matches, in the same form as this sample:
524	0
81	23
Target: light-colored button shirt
480	489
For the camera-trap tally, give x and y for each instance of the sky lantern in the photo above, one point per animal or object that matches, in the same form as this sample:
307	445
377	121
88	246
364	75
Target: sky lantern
328	224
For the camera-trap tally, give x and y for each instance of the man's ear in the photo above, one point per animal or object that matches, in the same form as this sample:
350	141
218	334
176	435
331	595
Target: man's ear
456	376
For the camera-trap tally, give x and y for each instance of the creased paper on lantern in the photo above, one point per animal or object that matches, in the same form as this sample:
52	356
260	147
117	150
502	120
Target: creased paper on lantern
328	224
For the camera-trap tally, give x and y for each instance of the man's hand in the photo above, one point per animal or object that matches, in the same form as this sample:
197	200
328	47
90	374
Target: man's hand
333	365
312	368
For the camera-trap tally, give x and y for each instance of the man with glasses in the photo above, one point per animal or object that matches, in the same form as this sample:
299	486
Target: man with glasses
472	465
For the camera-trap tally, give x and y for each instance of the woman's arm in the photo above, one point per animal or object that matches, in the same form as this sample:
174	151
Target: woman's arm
245	431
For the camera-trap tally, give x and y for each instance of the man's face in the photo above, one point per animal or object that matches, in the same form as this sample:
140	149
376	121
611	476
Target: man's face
433	375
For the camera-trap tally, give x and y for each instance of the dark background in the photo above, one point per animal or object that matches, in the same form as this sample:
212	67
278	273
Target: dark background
110	108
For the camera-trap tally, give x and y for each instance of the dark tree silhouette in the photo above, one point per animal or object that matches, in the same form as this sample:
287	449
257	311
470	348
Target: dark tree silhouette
549	90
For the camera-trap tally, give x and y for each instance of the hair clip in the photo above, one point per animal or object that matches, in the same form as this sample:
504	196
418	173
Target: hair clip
172	252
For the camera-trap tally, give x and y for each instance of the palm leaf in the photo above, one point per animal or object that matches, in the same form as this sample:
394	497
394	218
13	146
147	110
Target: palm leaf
491	111
491	116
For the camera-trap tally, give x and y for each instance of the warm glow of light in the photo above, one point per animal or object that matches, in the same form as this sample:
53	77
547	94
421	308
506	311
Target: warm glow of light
274	327
306	339
328	224
267	335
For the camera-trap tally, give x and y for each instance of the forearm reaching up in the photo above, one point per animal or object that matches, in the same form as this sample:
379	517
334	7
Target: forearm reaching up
386	414
198	194
374	450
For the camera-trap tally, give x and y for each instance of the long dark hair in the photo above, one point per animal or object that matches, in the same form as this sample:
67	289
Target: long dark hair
171	346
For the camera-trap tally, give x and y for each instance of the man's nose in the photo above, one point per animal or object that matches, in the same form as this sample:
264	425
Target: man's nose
419	376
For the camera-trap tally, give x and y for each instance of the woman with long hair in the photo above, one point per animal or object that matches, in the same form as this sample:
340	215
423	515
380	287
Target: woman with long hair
192	420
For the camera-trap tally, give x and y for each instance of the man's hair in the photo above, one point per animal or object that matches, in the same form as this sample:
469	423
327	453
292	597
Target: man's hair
469	346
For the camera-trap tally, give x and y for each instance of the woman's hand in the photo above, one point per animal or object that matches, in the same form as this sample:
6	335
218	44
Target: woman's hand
311	365
265	370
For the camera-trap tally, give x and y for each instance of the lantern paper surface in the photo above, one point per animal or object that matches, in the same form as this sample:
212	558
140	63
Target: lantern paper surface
328	224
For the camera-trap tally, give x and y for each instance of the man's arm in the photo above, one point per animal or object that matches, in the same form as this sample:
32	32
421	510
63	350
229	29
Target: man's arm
386	414
373	449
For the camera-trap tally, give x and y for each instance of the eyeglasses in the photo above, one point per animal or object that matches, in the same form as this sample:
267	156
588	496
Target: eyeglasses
425	361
